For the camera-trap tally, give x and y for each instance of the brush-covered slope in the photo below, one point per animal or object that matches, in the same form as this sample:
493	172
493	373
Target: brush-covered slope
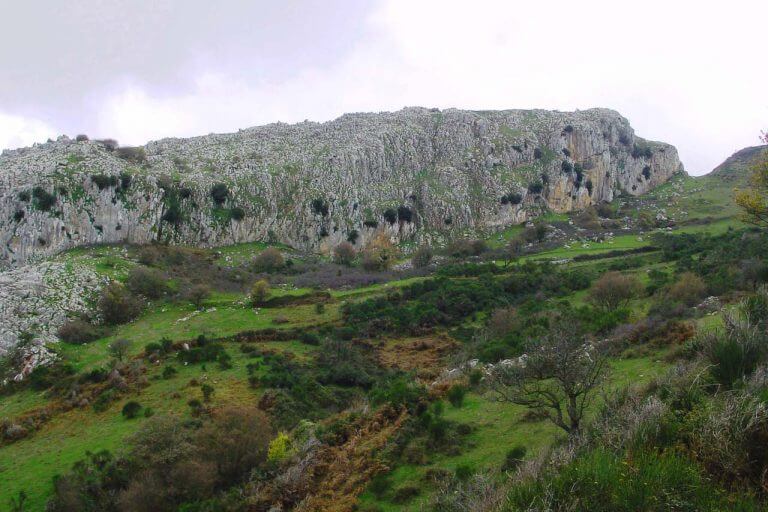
417	173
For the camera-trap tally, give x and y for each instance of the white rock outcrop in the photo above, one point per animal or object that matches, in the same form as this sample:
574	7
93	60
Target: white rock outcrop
312	185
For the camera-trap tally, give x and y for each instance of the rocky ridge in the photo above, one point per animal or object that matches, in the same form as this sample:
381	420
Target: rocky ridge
420	174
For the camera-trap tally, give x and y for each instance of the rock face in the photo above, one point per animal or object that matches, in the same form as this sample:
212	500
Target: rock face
35	300
418	173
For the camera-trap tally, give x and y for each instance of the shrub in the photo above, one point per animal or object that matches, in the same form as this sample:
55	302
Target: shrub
641	151
79	331
370	223
422	257
456	395
688	289
125	181
169	372
279	448
108	144
219	193
104	181
566	166
733	354
614	290
259	292
131	410
536	233
269	260
353	236
404	214
380	253
117	305
514	458
390	215
136	155
207	391
82	138
43	200
344	253
536	187
18	215
512	198
147	282
320	207
24	196
237	213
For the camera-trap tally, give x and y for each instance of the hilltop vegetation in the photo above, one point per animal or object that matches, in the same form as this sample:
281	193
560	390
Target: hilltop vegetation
609	359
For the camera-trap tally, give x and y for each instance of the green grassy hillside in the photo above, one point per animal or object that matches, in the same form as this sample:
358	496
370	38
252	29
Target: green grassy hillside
357	357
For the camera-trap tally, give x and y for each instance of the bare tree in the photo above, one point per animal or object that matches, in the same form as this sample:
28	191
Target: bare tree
557	378
614	290
512	251
119	348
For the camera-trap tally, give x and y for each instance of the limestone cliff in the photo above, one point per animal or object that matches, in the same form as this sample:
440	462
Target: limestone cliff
419	173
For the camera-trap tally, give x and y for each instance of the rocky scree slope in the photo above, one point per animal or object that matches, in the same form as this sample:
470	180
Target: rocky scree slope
419	173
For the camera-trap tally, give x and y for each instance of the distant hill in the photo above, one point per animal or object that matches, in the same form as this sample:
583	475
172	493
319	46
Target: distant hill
737	166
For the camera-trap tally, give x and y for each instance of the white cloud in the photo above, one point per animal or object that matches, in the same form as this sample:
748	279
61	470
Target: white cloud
19	131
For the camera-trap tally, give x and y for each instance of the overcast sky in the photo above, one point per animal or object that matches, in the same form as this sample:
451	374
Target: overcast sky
691	73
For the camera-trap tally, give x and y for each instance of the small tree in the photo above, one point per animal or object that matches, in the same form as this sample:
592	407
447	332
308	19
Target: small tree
422	257
557	378
269	260
131	410
614	290
119	348
259	292
197	294
344	253
512	251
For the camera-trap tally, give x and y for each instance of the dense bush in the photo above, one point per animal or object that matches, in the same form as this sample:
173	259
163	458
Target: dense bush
79	331
320	207
131	409
169	463
118	305
43	200
219	193
390	215
135	155
689	289
344	253
259	292
512	198
536	187
104	181
147	282
269	260
614	290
